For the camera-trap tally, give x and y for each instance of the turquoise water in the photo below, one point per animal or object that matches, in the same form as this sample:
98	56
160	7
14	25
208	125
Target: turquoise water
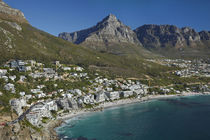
182	118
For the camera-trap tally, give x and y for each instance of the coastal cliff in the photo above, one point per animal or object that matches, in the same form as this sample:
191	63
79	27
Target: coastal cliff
20	131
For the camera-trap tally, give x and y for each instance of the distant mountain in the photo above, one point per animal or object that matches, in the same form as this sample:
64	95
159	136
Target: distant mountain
154	36
110	31
169	40
111	34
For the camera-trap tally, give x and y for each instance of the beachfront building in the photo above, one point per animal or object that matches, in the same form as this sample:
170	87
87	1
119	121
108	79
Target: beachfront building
126	94
88	99
113	95
51	105
100	97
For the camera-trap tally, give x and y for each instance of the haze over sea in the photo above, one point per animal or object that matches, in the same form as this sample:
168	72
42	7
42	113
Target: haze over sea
180	118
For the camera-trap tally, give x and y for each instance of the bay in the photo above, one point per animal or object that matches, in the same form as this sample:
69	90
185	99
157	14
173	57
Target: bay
182	118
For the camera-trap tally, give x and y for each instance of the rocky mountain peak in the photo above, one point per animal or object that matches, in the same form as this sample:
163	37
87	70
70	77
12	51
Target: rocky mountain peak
8	13
111	17
107	32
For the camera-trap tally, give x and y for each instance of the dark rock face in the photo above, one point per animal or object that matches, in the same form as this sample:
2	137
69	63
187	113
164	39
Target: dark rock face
204	35
167	35
109	30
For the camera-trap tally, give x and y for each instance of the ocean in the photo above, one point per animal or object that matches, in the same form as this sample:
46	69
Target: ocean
177	118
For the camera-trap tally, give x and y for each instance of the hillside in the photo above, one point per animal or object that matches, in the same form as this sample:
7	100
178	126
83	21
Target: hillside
19	40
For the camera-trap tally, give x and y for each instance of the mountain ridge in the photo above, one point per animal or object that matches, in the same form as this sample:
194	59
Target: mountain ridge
149	36
108	31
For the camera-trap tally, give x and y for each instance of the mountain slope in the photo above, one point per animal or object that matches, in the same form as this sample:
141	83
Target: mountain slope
19	40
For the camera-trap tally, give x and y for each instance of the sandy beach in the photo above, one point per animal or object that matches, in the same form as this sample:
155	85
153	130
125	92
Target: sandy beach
117	103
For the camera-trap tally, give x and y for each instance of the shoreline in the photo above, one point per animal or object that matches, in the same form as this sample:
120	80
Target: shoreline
118	103
121	102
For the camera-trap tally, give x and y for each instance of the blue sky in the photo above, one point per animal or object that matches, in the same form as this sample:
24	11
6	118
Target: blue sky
55	16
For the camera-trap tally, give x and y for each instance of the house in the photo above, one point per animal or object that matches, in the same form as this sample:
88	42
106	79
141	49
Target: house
113	95
109	89
39	64
28	97
17	105
77	92
134	87
73	74
83	74
78	68
13	64
41	86
40	95
20	62
5	78
12	77
10	87
32	63
60	90
21	68
35	75
22	78
57	63
66	68
28	68
67	95
49	70
138	91
3	72
22	93
35	91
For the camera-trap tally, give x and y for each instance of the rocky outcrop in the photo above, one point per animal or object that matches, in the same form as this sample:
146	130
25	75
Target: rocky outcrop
7	12
204	35
154	36
22	132
109	31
